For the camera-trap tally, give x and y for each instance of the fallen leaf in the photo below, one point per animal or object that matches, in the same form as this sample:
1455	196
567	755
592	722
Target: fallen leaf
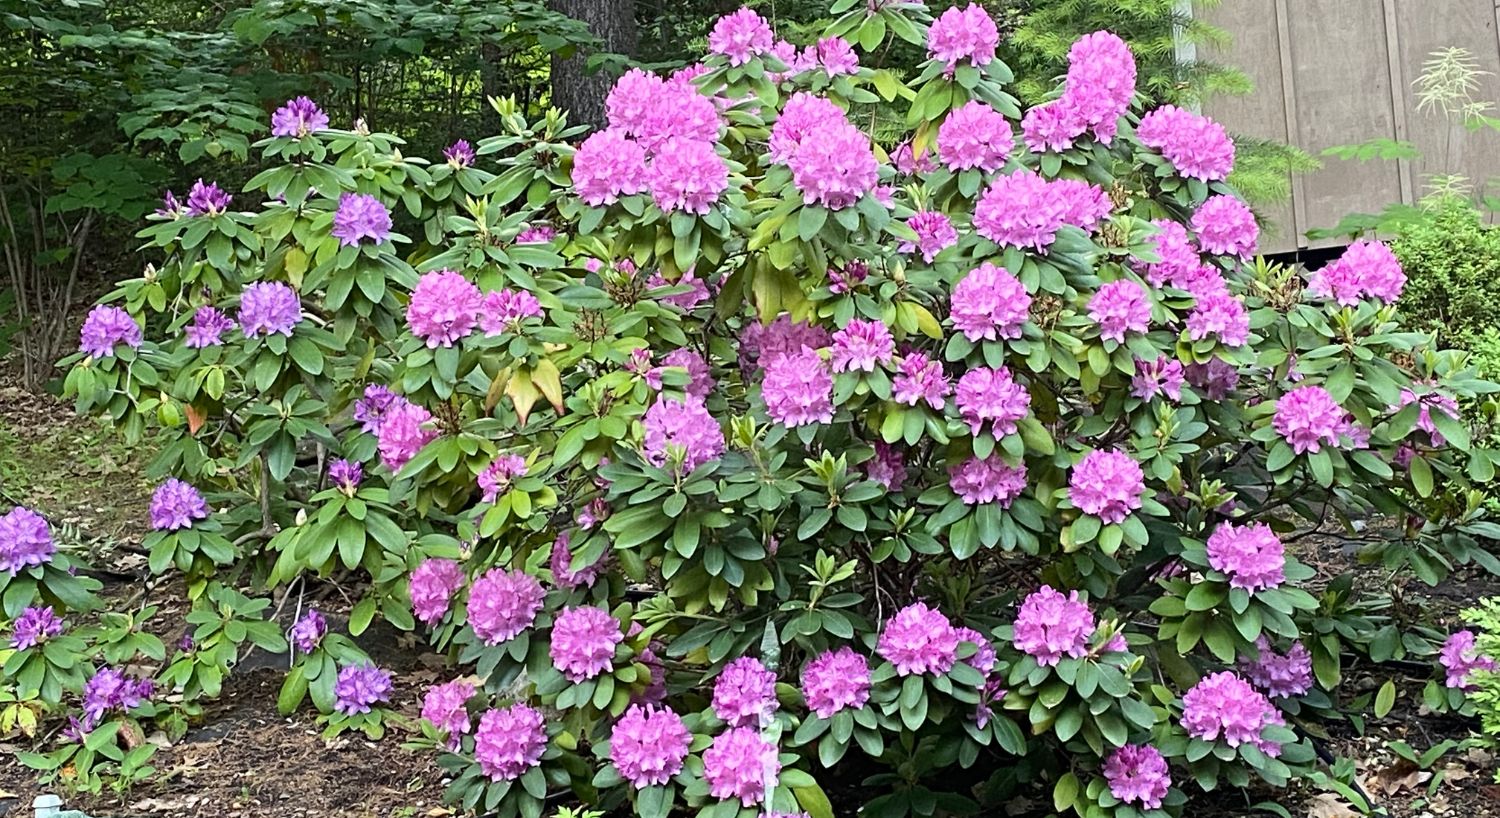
1328	805
1402	775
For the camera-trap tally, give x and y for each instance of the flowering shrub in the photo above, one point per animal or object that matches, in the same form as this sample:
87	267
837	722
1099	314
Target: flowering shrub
728	451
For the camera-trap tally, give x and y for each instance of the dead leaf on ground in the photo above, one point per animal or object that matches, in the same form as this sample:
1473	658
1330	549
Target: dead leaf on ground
1328	805
1400	776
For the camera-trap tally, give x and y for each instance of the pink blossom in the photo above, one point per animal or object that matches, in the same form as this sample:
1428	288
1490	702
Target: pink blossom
502	604
687	175
497	477
1178	256
1196	146
989	480
1159	376
1052	126
681	429
908	163
1221	316
803	114
984	657
648	745
887	467
798	389
738	765
836	680
989	304
1020	210
444	708
433	584
935	233
837	56
920	379
741	36
608	165
1279	675
503	311
1428	401
834	166
1138	774
975	135
1216	378
919	639
509	741
1224	706
1367	268
583	642
990	396
1083	205
1308	418
1251	555
1226	226
963	34
1108	484
861	346
1100	82
1050	626
1460	658
745	693
403	432
444	308
1120	307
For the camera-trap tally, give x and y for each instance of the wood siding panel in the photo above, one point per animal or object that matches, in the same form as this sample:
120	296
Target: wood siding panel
1263	114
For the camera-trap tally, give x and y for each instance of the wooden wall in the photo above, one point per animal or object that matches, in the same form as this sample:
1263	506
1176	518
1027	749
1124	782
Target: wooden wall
1332	72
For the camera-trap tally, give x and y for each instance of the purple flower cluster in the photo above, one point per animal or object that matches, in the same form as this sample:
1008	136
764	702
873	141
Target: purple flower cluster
987	480
460	154
975	135
738	765
361	216
1160	376
308	632
1367	269
991	396
497	477
269	308
834	680
862	345
502	604
683	301
1138	774
445	707
34	626
648	745
403	432
106	327
1279	675
921	379
206	199
509	741
110	689
887	467
745	693
1221	316
1308	418
176	505
989	304
583	642
1428	402
1196	145
1025	210
370	409
1120	307
798	388
1224	706
25	540
1050	626
700	379
1108	484
682	429
1460	658
207	329
433	584
1251	555
917	640
963	34
1225	225
561	560
1178	257
444	308
503	310
359	688
345	475
298	118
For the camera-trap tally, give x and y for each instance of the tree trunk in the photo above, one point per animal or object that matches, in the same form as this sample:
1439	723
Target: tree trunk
574	88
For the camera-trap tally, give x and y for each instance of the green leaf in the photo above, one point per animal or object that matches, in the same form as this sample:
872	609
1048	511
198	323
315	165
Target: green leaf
1385	699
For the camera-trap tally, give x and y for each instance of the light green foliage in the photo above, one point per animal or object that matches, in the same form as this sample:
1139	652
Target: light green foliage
1452	263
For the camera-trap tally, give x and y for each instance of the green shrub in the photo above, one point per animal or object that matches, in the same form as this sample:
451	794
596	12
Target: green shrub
1452	263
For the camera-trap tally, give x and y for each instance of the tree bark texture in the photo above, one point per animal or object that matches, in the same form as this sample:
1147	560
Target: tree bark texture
574	88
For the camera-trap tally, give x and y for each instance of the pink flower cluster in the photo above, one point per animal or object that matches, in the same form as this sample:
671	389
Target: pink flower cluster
509	741
445	707
1430	401
1108	484
1024	210
502	604
1221	316
741	36
361	216
497	477
1460	658
887	467
648	745
975	135
962	34
1159	376
681	428
987	480
1138	774
1308	419
1367	269
919	639
738	765
444	308
1050	626
1226	226
1196	145
1251	555
921	380
989	304
862	345
1099	88
935	233
745	693
991	396
433	584
834	680
560	562
403	432
834	162
583	642
1279	675
798	388
503	310
1224	706
1119	307
1178	256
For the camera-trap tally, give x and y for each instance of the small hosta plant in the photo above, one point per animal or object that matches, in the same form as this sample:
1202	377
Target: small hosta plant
730	454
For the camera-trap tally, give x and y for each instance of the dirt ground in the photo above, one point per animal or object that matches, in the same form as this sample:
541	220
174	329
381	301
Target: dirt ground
243	760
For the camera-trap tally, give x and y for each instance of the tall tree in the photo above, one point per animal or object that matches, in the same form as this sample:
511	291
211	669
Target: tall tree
575	88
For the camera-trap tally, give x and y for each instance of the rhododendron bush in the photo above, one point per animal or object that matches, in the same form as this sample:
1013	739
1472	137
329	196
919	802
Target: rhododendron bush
732	456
